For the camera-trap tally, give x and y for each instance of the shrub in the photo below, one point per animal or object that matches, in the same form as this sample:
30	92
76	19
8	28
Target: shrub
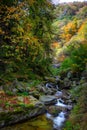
77	59
66	65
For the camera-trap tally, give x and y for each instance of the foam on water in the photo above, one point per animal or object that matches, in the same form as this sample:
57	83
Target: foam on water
57	121
60	103
49	116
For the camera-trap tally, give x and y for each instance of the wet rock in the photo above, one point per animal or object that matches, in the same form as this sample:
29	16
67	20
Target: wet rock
58	79
49	92
35	94
48	99
69	107
53	110
46	90
49	85
52	85
69	102
41	88
63	106
58	94
66	95
54	90
65	84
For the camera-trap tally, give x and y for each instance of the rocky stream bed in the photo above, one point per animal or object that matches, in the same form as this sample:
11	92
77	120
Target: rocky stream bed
44	108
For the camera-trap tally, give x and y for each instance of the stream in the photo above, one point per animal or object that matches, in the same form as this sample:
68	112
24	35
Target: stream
58	121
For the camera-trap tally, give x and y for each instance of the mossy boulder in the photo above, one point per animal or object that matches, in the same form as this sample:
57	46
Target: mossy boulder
19	108
54	110
16	87
50	79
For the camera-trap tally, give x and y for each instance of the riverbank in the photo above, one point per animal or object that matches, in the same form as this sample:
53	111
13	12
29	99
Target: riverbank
30	102
54	97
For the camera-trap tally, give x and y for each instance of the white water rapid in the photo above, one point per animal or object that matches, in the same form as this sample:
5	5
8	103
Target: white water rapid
58	120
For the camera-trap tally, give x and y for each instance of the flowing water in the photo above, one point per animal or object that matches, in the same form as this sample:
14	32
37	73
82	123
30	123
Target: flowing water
59	120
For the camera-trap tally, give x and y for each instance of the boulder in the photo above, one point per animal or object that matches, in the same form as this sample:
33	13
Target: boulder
48	99
52	85
35	94
61	105
65	84
41	88
25	108
46	89
53	110
66	95
58	94
15	87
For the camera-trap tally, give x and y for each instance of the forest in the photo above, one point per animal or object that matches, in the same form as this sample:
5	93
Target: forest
42	46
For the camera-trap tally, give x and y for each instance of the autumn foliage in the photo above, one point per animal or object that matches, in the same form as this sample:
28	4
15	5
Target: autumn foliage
24	37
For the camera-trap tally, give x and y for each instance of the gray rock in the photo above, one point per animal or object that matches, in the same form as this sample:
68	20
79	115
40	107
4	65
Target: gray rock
46	90
66	95
35	94
65	84
15	87
18	85
58	94
52	85
48	99
41	88
53	110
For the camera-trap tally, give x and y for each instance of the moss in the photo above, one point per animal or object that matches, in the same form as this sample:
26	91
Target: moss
5	116
78	117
